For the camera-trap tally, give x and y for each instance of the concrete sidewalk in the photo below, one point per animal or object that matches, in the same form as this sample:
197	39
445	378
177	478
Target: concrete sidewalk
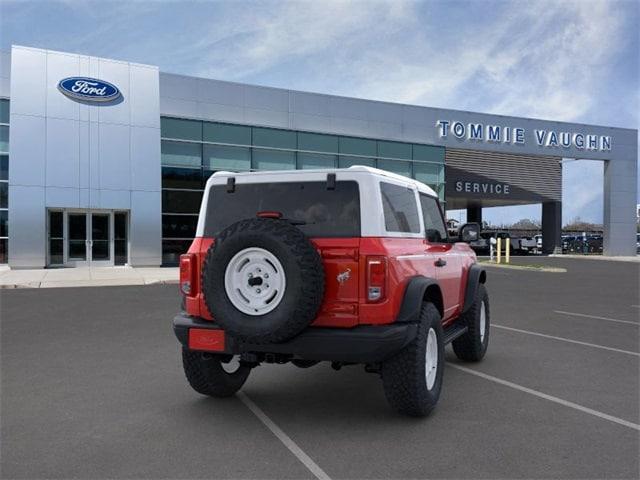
86	277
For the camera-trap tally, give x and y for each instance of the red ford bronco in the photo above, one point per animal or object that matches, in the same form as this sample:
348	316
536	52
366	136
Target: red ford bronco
348	266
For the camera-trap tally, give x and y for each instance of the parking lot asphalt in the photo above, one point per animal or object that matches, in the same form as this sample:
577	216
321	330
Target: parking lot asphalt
92	387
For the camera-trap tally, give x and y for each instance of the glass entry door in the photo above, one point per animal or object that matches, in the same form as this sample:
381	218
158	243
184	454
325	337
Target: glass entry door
77	239
87	238
100	241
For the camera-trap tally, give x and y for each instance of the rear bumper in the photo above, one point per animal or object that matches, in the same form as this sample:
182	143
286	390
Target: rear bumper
362	344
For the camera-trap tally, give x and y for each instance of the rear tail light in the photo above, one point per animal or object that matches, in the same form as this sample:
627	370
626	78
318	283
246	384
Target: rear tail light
376	279
187	274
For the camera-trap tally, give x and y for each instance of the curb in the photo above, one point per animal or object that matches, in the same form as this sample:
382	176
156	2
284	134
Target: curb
98	283
524	267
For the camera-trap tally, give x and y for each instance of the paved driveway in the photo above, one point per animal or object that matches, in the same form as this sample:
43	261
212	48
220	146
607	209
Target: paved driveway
92	387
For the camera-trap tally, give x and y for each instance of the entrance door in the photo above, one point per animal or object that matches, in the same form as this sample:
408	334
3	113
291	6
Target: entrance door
100	244
87	238
77	239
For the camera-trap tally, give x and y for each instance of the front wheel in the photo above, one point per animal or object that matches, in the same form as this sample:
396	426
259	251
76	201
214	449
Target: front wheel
214	375
412	379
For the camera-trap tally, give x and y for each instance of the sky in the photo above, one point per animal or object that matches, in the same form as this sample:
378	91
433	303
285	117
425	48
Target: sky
558	60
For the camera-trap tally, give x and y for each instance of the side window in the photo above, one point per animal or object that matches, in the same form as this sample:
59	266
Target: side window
434	227
400	209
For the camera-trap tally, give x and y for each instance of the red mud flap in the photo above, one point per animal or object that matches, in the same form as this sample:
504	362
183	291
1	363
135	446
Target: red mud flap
206	339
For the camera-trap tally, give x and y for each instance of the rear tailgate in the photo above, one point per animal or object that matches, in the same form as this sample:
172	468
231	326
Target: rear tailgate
341	271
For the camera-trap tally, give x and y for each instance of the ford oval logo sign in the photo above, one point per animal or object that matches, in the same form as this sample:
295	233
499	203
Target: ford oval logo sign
89	89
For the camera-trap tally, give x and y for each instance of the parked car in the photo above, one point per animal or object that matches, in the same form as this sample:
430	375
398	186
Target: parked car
352	266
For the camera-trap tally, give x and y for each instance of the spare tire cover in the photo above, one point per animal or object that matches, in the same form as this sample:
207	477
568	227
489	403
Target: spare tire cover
263	280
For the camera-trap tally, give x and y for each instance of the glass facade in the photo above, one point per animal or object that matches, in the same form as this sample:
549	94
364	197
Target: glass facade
4	180
193	150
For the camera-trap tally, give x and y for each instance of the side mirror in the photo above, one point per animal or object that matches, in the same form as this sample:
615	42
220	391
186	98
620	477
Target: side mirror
469	232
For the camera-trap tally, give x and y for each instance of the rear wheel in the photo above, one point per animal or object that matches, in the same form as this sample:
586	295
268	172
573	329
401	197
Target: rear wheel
412	378
473	345
214	375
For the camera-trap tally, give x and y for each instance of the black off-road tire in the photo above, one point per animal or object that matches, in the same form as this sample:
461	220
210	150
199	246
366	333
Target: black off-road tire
470	347
207	376
304	272
404	376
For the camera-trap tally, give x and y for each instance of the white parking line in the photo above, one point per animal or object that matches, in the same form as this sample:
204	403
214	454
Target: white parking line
551	398
566	340
573	314
284	438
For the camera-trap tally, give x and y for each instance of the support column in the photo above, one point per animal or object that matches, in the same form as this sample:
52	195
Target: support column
551	227
620	194
474	214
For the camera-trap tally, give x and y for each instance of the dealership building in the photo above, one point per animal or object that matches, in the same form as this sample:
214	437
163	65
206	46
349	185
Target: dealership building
103	162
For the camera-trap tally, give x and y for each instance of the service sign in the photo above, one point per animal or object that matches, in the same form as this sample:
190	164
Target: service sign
88	89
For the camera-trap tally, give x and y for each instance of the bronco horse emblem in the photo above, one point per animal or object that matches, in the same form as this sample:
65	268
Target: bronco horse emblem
344	276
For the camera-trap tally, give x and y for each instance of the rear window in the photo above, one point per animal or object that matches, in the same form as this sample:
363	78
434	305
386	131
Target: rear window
400	209
320	211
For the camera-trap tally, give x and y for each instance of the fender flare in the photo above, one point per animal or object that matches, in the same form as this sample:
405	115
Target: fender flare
414	295
476	275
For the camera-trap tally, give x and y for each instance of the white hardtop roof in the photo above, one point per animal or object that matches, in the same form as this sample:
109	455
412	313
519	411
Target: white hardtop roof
286	175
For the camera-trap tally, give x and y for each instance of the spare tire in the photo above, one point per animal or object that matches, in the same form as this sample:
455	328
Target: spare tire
263	280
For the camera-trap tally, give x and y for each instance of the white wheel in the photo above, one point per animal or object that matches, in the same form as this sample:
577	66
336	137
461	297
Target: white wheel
255	281
483	321
431	358
232	365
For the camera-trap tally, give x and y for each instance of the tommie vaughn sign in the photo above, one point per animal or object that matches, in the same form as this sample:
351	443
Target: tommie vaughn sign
478	132
88	89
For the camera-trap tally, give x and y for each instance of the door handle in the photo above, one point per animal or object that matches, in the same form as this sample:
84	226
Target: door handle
440	263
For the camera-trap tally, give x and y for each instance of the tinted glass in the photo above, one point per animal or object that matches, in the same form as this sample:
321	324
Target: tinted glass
179	201
4	167
55	252
394	150
78	227
173	177
434	227
358	146
428	153
4	139
317	143
183	129
326	213
4	223
220	157
99	227
396	166
315	160
4	111
172	249
120	226
273	160
400	209
223	133
346	162
179	226
55	225
271	137
182	154
4	194
100	250
429	173
120	246
4	250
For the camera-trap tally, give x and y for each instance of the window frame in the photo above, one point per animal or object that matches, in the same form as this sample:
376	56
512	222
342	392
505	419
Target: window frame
395	233
442	218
